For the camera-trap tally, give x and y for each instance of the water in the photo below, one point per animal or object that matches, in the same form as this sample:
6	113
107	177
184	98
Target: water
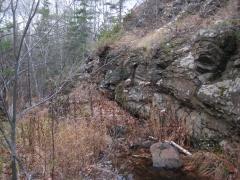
140	168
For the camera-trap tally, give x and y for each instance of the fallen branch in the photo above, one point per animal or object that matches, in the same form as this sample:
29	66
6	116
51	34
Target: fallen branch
141	156
179	148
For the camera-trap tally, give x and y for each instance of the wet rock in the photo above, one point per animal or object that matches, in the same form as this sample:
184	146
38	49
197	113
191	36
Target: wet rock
165	156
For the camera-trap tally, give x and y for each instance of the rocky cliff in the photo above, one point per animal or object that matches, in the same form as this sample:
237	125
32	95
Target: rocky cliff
180	57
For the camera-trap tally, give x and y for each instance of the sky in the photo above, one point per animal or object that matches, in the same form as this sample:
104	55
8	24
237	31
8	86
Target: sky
129	4
24	6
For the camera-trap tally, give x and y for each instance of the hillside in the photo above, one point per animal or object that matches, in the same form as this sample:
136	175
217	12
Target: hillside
169	71
180	58
188	65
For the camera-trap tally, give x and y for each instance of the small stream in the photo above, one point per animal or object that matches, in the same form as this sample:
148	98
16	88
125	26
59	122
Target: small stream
139	167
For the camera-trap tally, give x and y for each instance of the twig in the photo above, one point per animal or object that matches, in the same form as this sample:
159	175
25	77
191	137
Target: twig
46	99
179	148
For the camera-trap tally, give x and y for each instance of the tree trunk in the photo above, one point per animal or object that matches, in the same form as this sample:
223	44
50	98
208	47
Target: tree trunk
29	75
15	87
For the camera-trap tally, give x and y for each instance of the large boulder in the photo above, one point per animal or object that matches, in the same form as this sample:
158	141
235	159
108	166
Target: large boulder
165	156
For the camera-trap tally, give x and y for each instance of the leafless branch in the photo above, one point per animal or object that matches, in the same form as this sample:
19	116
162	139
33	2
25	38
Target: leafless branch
31	15
58	90
4	12
45	35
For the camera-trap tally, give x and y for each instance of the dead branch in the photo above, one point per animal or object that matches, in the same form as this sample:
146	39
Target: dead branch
179	148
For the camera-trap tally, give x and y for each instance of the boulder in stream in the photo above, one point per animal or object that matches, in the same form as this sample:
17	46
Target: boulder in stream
165	156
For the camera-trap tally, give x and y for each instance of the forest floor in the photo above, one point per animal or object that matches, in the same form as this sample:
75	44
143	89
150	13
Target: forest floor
85	135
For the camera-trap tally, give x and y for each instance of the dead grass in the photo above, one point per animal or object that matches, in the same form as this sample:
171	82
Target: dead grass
68	142
65	140
212	166
76	146
185	24
165	124
70	145
153	38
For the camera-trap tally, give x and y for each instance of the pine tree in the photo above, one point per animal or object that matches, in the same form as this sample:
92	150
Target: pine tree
79	31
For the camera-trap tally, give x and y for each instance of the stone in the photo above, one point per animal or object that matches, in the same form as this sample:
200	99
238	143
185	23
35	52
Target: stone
165	156
113	77
223	96
188	61
205	77
237	61
181	88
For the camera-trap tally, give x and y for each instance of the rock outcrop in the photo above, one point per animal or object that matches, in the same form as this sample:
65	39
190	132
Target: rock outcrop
200	81
197	74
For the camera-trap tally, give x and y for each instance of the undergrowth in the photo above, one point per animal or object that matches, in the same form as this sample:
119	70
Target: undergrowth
109	35
69	136
167	125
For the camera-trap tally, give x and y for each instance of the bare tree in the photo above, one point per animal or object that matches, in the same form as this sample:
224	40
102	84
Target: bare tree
17	47
35	62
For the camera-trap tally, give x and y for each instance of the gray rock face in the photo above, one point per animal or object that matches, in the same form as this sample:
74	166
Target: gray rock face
200	82
223	96
165	156
194	78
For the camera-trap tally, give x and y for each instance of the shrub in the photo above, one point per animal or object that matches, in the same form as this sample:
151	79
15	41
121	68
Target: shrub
128	16
109	36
